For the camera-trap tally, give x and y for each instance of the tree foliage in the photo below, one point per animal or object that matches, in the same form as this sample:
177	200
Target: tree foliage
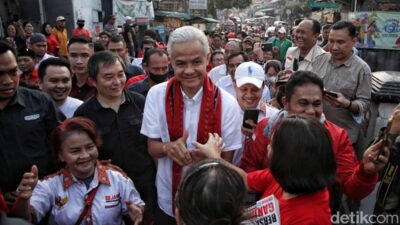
298	10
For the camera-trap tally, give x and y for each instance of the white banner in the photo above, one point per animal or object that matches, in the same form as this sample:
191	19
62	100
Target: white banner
264	211
198	4
133	8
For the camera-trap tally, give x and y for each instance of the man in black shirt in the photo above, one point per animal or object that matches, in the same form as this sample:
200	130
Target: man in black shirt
118	46
129	36
26	119
118	115
155	63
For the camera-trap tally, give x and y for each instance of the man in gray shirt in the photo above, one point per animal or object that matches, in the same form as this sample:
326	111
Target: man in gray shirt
110	26
349	77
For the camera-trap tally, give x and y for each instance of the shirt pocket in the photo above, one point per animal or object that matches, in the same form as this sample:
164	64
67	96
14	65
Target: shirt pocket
32	134
135	120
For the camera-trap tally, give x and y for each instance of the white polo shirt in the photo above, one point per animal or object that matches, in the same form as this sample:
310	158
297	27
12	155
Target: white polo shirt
217	73
64	195
155	126
45	56
69	107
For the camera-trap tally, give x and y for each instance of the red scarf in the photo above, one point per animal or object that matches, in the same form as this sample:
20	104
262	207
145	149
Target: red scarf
209	120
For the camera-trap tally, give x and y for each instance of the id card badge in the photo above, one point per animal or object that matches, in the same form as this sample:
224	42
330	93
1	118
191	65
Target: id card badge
289	62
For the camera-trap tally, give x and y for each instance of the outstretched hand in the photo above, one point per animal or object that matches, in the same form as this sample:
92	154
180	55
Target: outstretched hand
28	183
135	212
213	148
177	150
374	160
249	131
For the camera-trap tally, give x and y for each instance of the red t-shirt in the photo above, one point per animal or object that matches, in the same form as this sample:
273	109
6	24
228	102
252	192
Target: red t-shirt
308	209
135	79
80	32
353	179
52	45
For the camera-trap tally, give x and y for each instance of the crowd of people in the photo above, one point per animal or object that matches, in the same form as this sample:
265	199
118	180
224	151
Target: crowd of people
124	128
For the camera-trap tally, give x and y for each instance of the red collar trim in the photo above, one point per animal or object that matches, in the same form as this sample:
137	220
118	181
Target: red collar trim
69	179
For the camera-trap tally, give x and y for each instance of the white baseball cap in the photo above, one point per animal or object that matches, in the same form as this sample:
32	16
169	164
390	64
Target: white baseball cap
60	18
249	73
282	30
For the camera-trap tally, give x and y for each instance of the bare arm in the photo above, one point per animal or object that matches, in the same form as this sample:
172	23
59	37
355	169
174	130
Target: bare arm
213	149
21	207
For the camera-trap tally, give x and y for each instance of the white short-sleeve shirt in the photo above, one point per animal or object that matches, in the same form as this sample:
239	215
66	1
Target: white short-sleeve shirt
69	106
64	195
155	126
217	73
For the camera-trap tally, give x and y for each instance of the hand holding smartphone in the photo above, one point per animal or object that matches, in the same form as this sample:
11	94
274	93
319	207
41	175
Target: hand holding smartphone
385	137
250	114
331	93
266	47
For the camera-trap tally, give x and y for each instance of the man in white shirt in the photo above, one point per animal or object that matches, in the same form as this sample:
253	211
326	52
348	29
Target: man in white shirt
55	79
38	44
307	54
220	71
249	85
226	82
185	109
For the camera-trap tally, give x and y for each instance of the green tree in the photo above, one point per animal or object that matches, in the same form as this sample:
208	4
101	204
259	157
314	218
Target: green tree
297	10
226	4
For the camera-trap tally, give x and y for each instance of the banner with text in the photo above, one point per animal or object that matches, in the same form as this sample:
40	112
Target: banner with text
264	211
137	9
198	4
380	30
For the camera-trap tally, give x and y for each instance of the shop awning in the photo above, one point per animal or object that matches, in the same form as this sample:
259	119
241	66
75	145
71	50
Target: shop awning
179	15
198	19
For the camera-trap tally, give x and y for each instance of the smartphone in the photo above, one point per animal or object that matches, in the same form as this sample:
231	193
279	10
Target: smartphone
331	93
385	137
251	114
266	47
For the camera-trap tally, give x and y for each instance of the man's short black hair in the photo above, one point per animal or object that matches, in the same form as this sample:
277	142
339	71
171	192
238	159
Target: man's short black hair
235	54
117	39
326	27
147	41
244	34
150	33
105	33
79	39
5	46
345	25
102	58
298	21
300	78
54	61
302	159
216	35
152	51
316	26
26	52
